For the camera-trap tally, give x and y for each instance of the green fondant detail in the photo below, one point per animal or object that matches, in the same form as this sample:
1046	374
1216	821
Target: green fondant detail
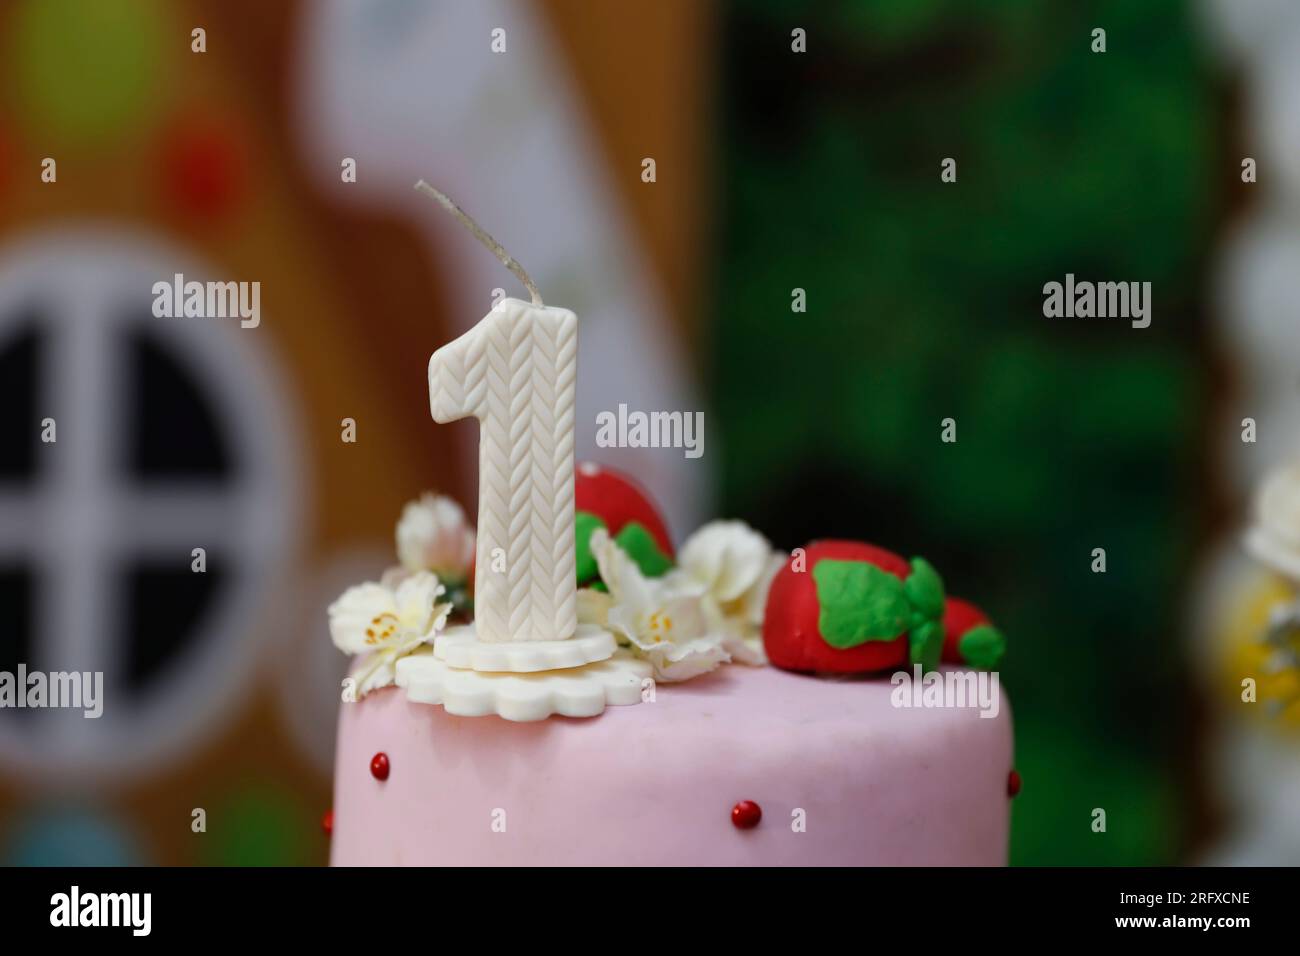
599	586
460	596
859	603
924	589
982	646
584	523
642	548
925	644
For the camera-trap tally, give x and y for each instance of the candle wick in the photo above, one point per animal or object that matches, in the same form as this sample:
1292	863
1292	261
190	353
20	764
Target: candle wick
481	235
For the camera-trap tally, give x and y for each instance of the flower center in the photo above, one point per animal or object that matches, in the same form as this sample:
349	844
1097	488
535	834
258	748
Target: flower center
660	626
382	628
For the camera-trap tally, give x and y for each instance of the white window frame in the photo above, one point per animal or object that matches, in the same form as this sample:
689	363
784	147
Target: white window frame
79	520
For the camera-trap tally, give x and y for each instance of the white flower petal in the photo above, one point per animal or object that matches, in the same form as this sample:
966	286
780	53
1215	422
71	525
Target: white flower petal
439	620
433	535
728	557
627	585
754	601
688	613
672	622
684	661
378	670
394	576
415	598
372	618
745	650
623	621
353	613
593	606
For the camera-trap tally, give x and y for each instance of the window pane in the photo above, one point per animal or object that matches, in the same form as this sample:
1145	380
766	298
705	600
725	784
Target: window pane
175	432
20	426
16	631
165	608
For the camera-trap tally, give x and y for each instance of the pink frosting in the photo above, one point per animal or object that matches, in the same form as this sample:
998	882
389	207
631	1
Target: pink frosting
655	783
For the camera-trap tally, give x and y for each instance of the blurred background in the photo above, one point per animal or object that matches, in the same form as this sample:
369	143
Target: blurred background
774	171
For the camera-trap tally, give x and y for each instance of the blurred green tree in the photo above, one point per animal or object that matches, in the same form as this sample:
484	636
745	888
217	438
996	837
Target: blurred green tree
924	301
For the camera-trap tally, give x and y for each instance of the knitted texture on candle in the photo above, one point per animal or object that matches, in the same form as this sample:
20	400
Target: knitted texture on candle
516	372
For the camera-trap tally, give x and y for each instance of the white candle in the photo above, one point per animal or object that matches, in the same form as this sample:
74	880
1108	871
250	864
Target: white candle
524	657
515	372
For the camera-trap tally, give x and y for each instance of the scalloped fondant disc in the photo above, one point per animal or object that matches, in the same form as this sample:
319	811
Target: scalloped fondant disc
460	648
574	692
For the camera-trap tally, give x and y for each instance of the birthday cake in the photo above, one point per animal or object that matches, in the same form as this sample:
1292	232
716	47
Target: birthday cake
564	685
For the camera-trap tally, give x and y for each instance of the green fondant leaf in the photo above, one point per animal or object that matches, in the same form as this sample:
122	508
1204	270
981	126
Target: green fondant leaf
461	597
584	523
982	646
924	589
859	602
642	548
925	644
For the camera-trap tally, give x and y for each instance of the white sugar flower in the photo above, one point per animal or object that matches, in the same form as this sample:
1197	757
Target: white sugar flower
666	624
433	535
728	558
734	566
387	623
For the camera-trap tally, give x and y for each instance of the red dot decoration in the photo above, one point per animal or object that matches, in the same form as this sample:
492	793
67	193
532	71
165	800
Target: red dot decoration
327	821
204	170
746	814
1013	784
379	766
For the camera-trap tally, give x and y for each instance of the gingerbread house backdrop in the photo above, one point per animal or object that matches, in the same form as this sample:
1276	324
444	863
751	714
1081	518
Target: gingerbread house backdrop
820	171
221	155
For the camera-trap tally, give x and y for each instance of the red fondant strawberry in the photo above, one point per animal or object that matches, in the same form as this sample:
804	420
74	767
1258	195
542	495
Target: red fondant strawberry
617	499
847	607
969	637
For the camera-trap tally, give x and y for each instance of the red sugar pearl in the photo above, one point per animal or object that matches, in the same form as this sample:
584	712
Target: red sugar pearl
327	821
1013	784
379	766
746	814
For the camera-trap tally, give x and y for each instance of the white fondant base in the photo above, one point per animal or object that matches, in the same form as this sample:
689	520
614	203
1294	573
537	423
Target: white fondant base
573	692
459	647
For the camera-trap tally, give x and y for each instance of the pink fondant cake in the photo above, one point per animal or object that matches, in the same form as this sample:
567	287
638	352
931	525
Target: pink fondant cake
564	686
655	784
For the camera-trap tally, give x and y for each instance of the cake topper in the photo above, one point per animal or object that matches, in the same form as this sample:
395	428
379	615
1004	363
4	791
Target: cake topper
539	643
516	372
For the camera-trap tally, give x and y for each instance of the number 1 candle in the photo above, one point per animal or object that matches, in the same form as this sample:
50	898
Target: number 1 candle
515	371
